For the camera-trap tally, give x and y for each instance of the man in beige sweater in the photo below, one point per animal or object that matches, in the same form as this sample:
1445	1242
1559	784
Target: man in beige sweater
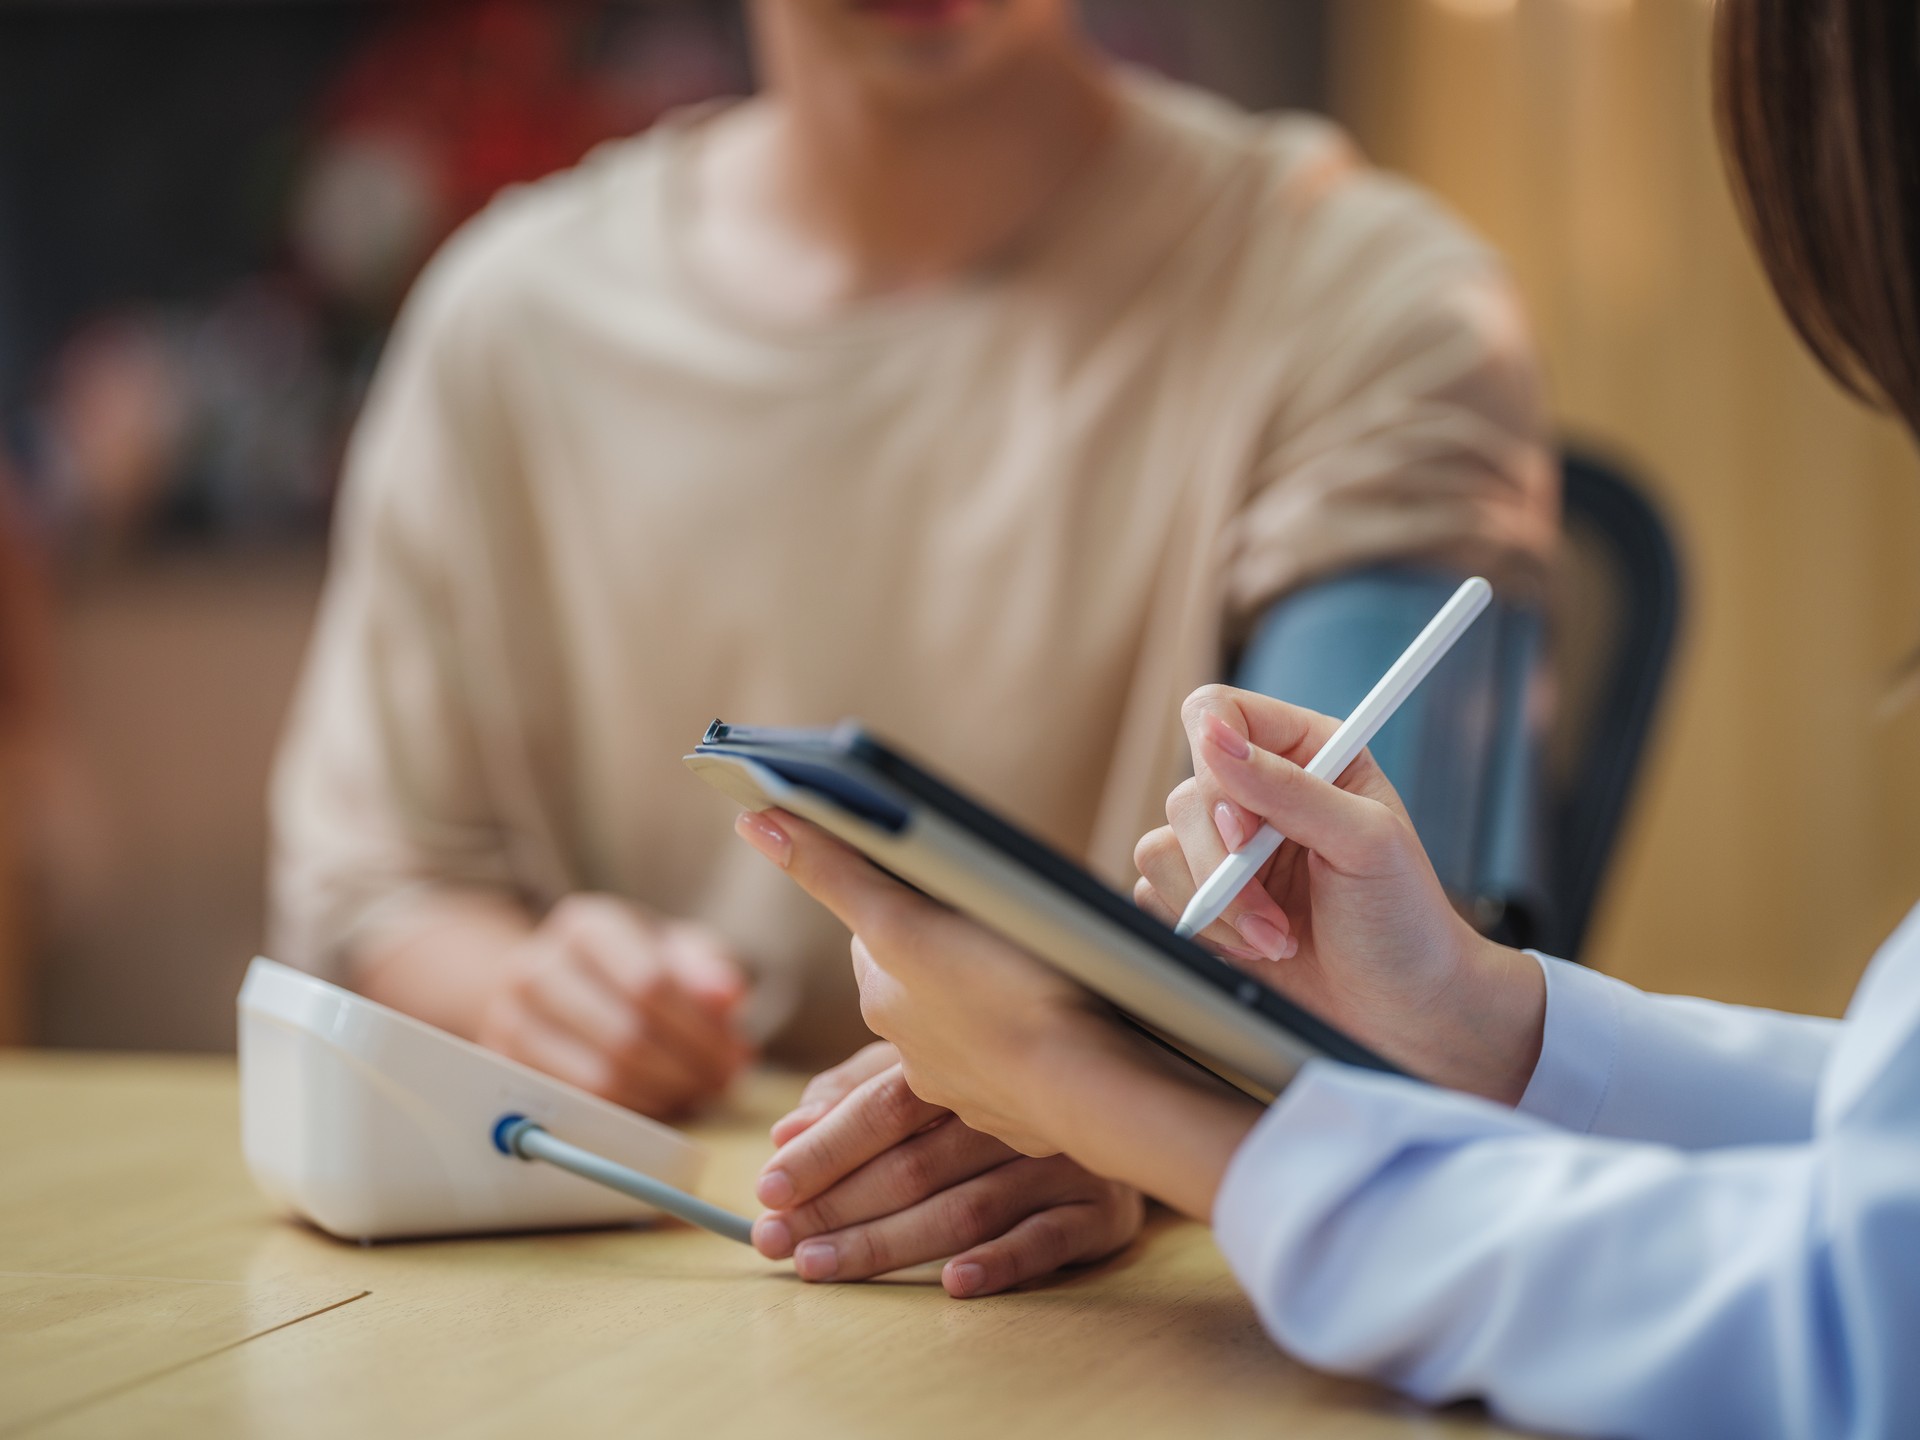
957	382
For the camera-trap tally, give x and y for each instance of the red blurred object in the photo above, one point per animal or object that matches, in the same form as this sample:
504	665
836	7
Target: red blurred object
493	89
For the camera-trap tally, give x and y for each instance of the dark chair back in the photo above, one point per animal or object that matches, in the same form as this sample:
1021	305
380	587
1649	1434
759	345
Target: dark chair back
1615	619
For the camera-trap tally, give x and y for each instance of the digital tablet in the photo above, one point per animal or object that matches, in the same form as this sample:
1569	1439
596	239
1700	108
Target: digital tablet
856	786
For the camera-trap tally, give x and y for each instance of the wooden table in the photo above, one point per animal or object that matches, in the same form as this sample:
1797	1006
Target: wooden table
146	1288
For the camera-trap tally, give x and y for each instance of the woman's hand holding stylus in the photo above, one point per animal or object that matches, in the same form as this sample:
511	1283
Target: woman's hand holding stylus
1348	918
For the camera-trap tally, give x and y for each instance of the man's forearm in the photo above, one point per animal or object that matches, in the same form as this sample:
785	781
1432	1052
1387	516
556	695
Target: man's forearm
447	961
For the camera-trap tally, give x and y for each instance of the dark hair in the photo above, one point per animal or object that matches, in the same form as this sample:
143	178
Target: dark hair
1819	104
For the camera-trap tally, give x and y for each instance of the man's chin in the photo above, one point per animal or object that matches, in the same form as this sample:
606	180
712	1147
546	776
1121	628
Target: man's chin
925	53
922	19
926	78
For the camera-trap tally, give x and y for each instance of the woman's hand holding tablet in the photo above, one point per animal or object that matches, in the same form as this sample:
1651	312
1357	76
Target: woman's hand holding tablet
917	827
1017	1050
1007	1044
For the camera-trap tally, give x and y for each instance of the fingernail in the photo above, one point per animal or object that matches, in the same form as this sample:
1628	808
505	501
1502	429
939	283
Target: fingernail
1265	936
1227	740
816	1260
772	1238
775	1190
969	1279
1226	820
765	836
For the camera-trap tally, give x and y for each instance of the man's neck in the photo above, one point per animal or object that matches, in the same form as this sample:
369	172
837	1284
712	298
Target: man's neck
911	195
822	195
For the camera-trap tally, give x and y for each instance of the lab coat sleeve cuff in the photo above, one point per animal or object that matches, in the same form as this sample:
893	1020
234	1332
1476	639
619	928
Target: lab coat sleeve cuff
1257	1214
1243	1209
1579	1048
1318	1171
1324	1136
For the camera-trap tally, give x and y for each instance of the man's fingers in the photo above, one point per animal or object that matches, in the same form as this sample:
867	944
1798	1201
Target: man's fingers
796	1122
925	1164
566	1057
645	990
830	1087
627	1052
956	1219
572	997
629	1057
1075	1233
691	1031
879	1114
530	1039
595	1001
703	964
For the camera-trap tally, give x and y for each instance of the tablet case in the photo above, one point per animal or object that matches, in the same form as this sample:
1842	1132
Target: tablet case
901	816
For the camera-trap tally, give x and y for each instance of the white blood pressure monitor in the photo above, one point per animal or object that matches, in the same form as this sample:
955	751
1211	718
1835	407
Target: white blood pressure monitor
375	1126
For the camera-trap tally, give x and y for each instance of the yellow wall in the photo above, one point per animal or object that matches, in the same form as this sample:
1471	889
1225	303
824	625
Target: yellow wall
1777	836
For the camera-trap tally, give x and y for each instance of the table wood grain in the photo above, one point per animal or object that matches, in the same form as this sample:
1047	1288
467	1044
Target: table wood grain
147	1289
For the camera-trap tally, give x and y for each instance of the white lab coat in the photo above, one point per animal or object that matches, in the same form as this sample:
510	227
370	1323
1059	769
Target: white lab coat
1702	1220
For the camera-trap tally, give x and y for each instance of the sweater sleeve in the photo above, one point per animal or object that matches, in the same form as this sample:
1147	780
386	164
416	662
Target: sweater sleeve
1407	419
380	791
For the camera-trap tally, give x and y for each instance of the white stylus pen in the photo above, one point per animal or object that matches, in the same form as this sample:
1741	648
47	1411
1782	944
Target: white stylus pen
1210	901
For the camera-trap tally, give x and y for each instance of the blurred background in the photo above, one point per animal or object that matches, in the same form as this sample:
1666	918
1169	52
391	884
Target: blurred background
209	213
